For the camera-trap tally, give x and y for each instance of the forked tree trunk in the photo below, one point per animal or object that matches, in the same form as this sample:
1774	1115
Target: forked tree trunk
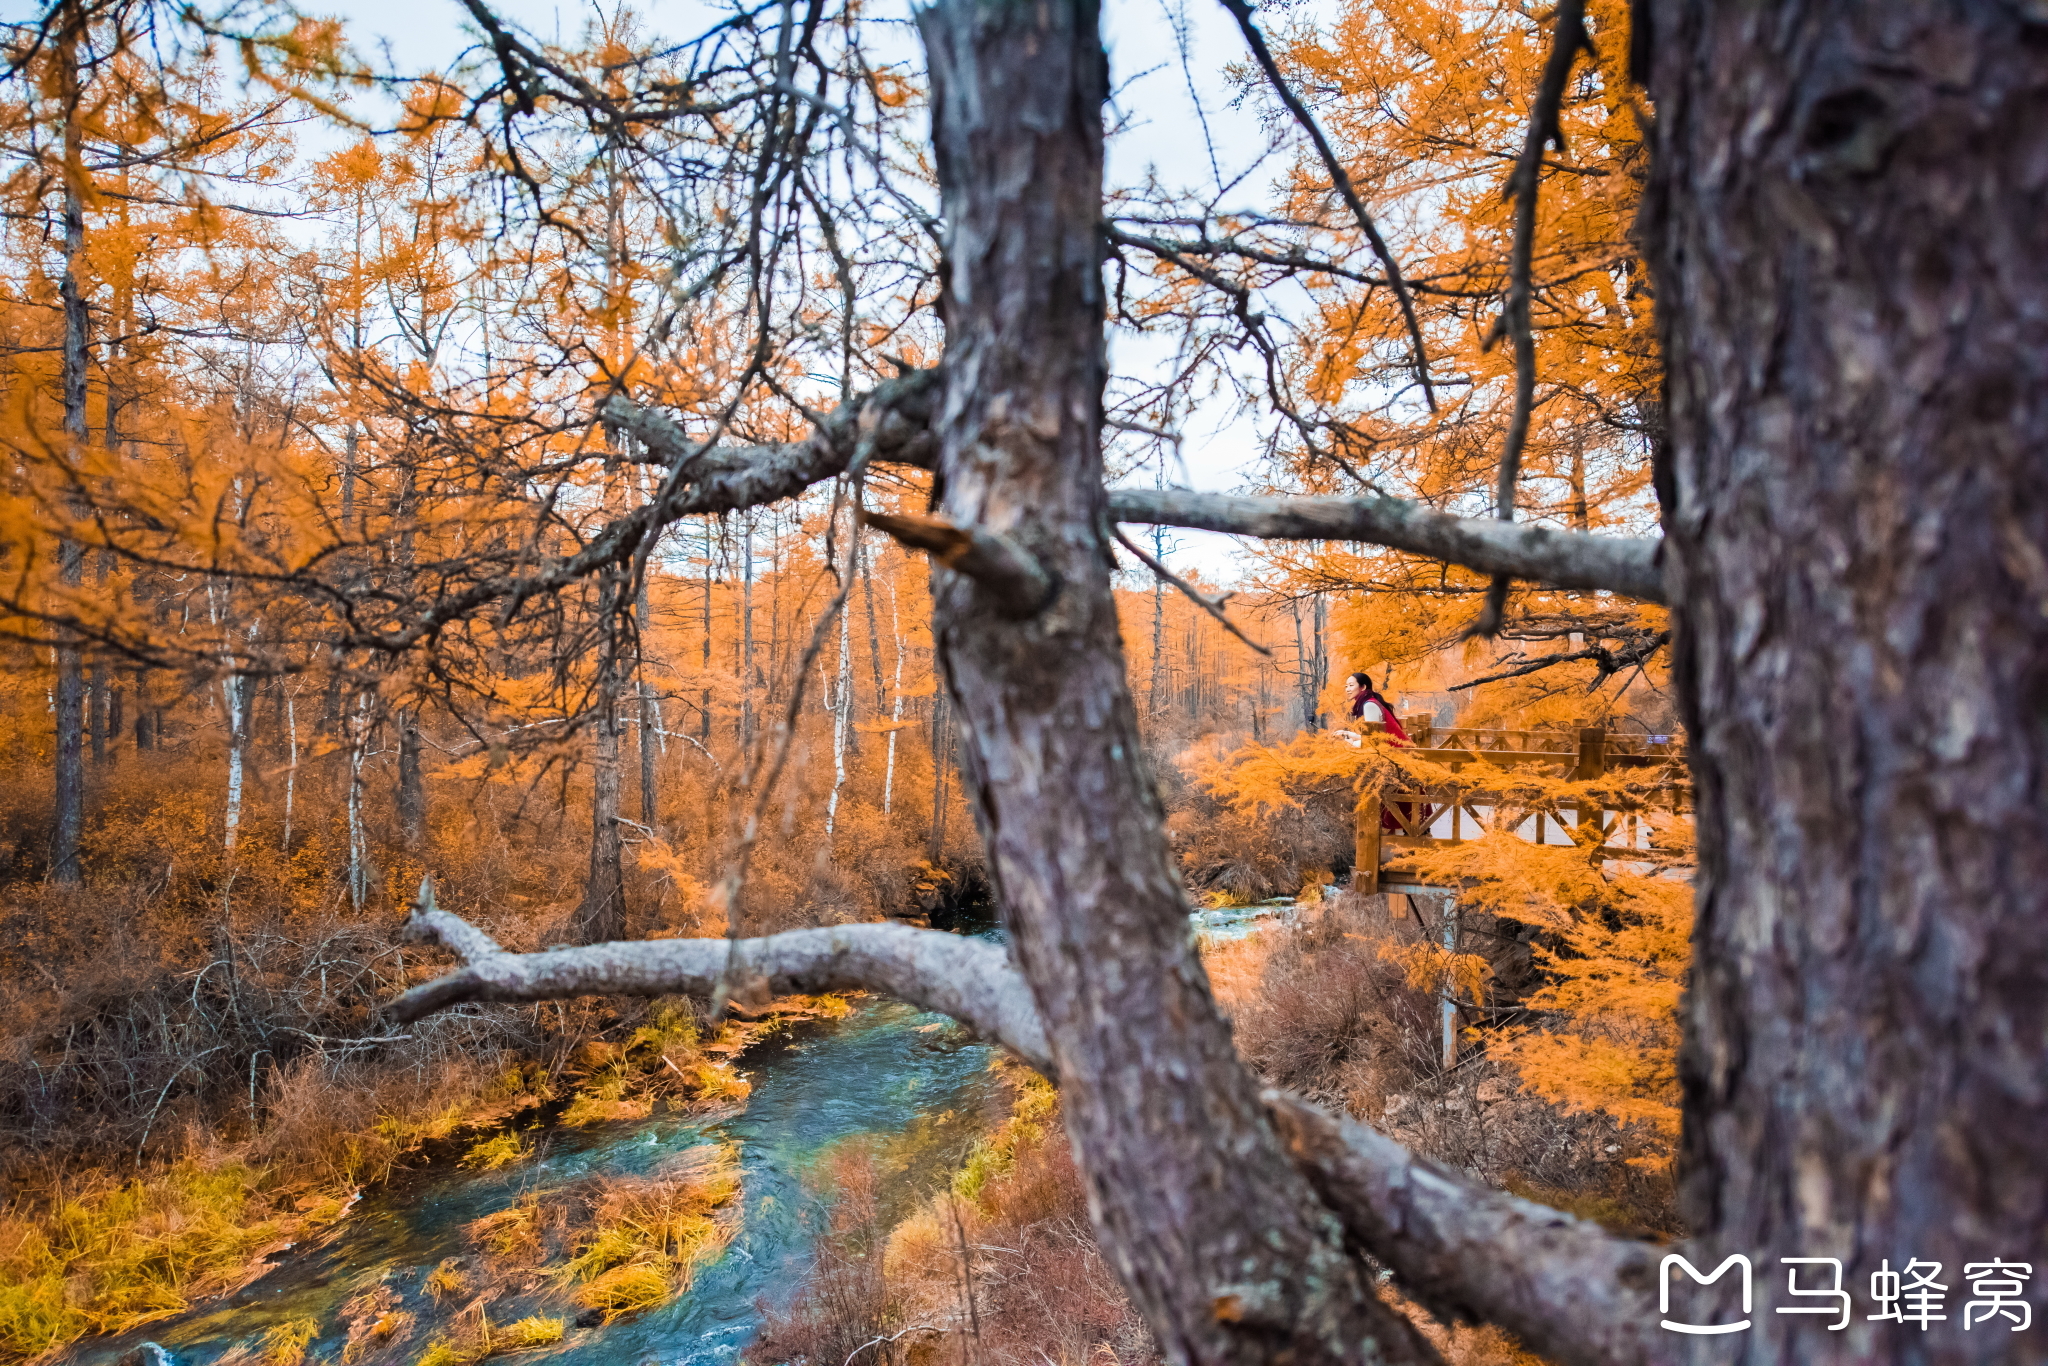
1849	222
1219	1240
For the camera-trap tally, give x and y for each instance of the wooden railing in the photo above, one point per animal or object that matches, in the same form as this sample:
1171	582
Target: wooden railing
1427	820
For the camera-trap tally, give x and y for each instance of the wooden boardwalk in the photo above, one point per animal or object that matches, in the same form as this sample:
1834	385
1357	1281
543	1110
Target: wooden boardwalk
1427	820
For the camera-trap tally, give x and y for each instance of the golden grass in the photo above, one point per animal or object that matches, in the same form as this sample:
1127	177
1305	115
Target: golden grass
114	1257
489	1154
510	1232
441	1352
445	1279
285	1344
1237	968
648	1235
627	1290
528	1333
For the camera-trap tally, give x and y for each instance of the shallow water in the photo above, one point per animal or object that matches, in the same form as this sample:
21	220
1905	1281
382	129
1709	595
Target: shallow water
1239	922
886	1071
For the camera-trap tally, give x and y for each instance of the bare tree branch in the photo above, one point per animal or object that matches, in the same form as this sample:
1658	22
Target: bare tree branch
1515	321
1340	179
1566	1287
1639	648
1014	580
1567	559
969	979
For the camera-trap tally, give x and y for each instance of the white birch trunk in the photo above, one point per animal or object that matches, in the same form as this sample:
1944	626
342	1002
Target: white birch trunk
358	839
896	708
842	714
291	772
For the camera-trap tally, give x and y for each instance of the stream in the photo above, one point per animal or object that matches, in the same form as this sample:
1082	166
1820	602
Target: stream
887	1071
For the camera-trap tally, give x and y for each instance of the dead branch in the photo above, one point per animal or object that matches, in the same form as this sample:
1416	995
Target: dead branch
969	979
1213	606
1568	559
1014	580
1566	1287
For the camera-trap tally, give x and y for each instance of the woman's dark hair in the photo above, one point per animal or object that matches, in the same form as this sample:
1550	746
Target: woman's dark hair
1364	680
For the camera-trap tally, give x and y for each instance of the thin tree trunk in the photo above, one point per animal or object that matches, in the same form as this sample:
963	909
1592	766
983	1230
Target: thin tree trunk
842	711
895	707
359	875
1222	1245
1156	684
865	559
235	693
602	915
747	629
412	793
651	743
69	798
942	768
291	772
1847	230
704	694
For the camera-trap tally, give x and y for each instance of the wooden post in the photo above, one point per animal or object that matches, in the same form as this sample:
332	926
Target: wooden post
1592	763
1365	872
1592	752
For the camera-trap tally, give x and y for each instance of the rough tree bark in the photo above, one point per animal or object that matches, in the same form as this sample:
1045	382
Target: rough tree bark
1223	1246
412	790
1848	232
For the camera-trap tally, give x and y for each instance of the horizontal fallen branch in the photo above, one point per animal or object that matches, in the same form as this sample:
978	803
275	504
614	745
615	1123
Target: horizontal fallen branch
968	979
1570	1290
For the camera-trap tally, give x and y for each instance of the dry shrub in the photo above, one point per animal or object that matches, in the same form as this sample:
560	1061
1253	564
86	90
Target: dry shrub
1243	835
1326	1008
1332	1017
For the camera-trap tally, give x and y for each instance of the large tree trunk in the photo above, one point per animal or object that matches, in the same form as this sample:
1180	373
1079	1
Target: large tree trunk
1849	217
1221	1243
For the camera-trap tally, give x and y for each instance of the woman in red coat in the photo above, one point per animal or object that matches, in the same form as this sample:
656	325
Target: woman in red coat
1368	707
